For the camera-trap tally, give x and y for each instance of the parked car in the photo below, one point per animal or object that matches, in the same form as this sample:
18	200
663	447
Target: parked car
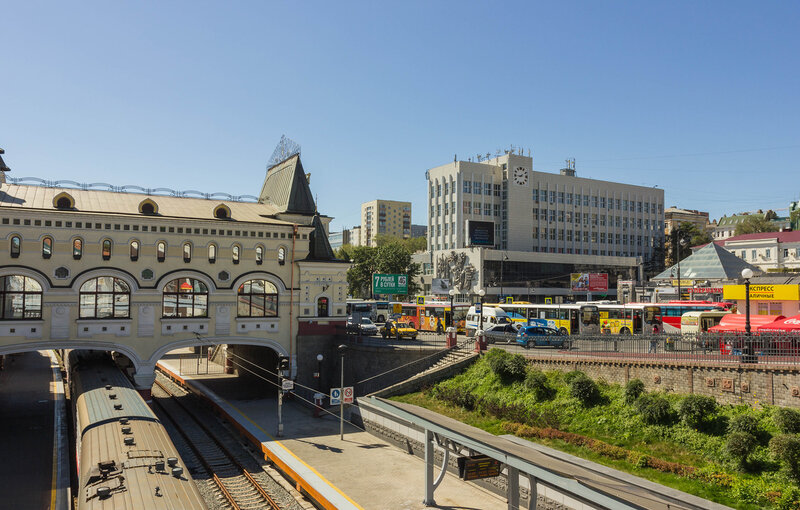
363	326
501	333
399	330
536	336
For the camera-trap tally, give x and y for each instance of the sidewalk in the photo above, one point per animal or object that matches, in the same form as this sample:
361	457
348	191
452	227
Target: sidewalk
360	471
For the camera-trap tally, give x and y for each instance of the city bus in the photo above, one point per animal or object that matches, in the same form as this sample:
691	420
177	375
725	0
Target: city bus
672	311
376	311
630	319
568	318
429	316
694	323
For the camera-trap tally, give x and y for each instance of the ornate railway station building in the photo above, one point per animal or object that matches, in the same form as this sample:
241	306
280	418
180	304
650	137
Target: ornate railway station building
142	273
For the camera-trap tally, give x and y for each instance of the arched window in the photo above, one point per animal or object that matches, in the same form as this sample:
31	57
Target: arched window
185	297
257	298
212	253
187	252
47	247
235	254
20	298
222	212
148	208
106	249
134	251
16	246
64	203
77	248
281	255
105	297
322	307
161	251
259	254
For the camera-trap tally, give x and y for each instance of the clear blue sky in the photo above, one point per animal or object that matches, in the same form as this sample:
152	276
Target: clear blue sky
698	98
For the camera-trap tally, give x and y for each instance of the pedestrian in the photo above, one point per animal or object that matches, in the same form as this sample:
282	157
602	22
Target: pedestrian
439	327
653	343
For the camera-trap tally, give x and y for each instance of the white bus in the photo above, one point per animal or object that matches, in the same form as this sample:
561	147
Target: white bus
491	317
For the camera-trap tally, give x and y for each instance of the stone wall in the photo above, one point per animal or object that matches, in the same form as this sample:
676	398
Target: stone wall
729	383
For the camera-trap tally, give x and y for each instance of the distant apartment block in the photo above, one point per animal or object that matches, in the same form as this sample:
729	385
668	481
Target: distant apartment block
384	217
673	217
419	230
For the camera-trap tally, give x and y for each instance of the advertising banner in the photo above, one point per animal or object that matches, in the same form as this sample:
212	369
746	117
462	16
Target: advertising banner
763	292
589	282
390	284
480	233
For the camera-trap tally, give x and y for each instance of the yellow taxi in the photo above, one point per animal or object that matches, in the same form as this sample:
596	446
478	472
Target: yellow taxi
399	330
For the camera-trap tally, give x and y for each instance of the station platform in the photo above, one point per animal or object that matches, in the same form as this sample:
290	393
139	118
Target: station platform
359	472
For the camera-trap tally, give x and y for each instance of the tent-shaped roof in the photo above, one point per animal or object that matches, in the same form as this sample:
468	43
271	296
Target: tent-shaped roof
788	324
286	187
319	248
709	263
735	322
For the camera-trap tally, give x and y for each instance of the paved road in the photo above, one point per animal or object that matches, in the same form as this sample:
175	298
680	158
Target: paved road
26	432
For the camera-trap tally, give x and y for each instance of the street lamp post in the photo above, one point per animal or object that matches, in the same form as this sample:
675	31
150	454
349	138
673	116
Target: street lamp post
319	372
502	259
747	273
681	242
318	397
342	348
452	293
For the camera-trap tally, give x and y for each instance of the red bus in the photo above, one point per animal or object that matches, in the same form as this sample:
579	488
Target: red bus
429	316
671	311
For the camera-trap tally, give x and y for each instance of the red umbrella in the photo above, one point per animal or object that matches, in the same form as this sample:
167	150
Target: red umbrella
788	324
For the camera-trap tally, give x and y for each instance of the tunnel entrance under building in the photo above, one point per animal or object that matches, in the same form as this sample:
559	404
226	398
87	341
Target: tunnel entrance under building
256	368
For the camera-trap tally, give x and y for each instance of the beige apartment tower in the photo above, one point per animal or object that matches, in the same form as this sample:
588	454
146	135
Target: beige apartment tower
384	217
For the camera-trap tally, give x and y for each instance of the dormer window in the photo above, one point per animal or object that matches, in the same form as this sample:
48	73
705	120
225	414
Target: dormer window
149	207
63	201
222	212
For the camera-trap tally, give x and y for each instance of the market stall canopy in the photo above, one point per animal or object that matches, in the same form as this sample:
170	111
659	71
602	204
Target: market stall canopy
735	323
788	324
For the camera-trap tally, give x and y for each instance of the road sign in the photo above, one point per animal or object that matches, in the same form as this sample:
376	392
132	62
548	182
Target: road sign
287	385
336	395
348	394
478	308
478	466
548	301
390	284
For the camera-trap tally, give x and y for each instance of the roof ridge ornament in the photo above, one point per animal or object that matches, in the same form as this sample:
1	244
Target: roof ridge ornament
285	149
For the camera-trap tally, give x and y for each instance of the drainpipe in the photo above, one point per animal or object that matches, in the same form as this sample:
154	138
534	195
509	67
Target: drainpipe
291	297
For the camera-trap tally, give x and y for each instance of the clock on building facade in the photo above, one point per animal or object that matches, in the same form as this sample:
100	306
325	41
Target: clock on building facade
520	176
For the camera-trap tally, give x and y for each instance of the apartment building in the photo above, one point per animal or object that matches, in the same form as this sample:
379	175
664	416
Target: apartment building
384	217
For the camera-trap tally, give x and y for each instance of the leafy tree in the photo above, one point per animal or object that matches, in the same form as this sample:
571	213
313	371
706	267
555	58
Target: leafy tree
692	235
794	219
754	223
413	244
391	258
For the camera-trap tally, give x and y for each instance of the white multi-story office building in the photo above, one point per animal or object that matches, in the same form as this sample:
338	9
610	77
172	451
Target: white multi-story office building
539	217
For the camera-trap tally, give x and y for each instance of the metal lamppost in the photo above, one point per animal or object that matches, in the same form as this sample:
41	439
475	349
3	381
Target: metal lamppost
342	348
452	293
318	397
747	273
481	293
681	242
319	372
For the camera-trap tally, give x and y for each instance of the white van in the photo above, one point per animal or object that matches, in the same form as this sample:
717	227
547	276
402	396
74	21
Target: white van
491	317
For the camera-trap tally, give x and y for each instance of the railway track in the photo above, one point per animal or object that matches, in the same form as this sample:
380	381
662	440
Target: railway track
221	456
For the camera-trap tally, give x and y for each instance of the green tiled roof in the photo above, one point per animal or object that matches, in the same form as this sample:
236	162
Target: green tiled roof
709	263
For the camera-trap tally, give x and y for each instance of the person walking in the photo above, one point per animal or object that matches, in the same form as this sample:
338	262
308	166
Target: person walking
653	341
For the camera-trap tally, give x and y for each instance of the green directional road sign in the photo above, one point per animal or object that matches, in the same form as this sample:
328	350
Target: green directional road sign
390	284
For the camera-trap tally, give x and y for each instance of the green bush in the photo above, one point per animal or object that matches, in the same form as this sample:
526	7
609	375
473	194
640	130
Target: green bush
633	390
740	445
585	390
697	410
787	420
569	376
654	409
536	382
786	448
509	367
745	423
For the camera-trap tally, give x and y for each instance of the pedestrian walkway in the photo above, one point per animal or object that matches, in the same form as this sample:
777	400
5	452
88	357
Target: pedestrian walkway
361	470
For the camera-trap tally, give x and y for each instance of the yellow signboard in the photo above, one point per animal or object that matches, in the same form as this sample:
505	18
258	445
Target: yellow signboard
683	283
763	292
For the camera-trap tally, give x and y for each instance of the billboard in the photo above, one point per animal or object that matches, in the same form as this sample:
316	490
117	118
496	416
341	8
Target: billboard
440	286
480	233
390	284
589	282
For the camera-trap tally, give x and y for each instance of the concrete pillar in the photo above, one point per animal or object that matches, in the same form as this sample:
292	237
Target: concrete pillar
513	488
429	459
143	381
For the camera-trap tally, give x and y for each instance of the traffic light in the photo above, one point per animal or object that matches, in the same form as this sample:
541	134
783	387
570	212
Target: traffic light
283	363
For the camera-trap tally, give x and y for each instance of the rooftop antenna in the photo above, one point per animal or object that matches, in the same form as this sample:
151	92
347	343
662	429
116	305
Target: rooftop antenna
455	158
